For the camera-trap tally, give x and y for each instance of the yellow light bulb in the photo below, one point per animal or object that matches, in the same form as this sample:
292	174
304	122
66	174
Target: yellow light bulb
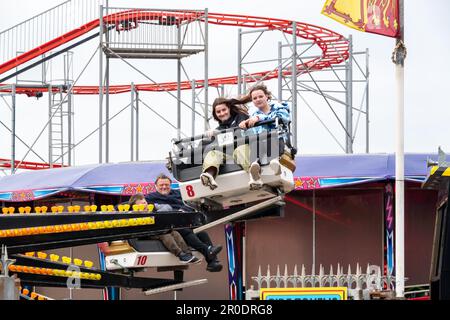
54	257
67	260
41	255
84	226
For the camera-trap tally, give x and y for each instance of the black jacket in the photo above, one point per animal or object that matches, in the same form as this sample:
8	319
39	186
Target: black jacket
233	121
173	199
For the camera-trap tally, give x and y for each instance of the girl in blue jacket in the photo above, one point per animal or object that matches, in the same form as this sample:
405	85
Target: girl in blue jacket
266	110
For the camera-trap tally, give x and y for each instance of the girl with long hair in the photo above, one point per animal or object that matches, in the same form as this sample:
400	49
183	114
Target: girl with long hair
229	113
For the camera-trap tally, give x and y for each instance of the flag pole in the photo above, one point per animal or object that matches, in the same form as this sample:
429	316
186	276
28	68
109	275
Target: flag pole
398	57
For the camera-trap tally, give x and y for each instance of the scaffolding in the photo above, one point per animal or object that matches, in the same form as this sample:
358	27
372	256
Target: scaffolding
336	85
127	34
164	34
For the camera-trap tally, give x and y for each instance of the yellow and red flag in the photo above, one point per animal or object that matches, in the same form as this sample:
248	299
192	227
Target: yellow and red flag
375	16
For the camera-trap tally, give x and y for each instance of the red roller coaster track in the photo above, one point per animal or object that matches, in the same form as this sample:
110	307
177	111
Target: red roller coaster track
334	47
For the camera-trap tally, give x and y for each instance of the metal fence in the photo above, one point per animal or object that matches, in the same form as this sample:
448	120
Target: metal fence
360	285
47	26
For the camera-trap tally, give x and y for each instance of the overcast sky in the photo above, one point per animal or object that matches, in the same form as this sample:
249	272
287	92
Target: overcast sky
427	109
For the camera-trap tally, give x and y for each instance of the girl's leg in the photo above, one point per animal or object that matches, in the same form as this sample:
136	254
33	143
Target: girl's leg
211	164
241	156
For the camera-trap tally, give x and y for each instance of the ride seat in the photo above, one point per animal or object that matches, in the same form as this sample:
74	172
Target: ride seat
147	245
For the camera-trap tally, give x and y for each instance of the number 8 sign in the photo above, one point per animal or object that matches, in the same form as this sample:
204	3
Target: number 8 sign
190	191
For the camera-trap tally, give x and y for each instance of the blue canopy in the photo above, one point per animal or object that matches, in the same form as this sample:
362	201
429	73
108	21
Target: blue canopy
315	171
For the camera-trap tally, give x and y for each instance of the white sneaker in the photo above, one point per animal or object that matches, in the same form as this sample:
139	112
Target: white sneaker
275	166
208	180
255	184
255	171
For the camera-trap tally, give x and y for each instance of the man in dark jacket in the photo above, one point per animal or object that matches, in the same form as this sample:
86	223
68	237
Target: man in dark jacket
166	199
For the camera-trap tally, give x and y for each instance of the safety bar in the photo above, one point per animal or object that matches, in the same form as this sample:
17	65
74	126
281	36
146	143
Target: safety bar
201	136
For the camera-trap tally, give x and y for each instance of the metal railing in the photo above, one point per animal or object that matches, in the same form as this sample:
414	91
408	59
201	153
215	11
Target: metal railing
155	30
46	26
360	285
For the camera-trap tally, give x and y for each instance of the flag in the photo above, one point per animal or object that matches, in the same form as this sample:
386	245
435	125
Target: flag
375	16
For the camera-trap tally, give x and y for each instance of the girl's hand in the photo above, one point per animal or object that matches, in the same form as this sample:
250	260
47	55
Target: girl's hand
209	133
243	124
252	121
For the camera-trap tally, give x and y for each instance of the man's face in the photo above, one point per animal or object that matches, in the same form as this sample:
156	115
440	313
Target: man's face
163	186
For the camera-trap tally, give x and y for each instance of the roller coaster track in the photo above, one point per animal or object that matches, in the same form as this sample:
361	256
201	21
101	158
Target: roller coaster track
334	47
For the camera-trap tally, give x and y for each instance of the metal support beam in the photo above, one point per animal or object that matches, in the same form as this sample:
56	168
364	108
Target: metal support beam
240	214
69	130
206	81
367	101
132	123
399	60
294	84
193	108
107	111
280	72
50	136
107	78
173	287
349	99
100	87
137	125
179	85
13	128
239	59
178	100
